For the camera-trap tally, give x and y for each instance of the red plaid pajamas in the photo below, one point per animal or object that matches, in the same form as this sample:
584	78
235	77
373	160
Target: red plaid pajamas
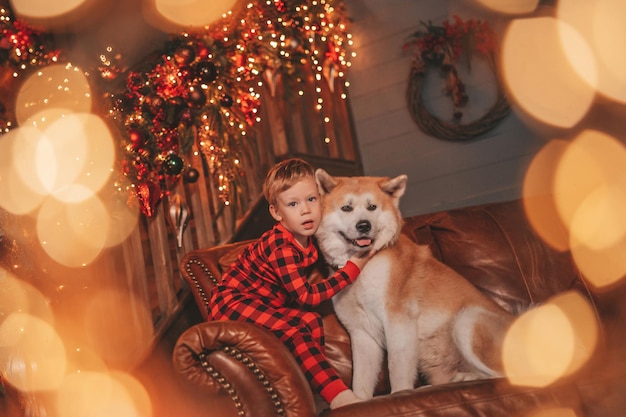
267	285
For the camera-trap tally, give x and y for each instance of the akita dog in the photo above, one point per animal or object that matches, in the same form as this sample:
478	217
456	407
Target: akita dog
426	316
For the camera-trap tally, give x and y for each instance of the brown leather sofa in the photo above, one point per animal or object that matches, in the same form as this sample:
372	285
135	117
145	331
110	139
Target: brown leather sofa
242	370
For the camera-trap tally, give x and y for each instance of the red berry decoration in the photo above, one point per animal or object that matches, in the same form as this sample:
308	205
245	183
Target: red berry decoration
186	117
136	138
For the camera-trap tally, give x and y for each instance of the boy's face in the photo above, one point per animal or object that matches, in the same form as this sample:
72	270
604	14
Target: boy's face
299	209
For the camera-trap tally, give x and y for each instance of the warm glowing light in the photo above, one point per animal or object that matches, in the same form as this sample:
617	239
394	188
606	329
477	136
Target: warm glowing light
73	234
34	356
510	6
539	75
601	267
194	13
599	223
18	196
593	160
55	86
18	296
80	157
550	341
44	8
123	217
538	347
575	194
600	23
128	322
102	394
538	190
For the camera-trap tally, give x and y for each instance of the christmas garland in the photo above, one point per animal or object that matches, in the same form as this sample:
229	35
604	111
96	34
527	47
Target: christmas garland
201	88
440	47
23	48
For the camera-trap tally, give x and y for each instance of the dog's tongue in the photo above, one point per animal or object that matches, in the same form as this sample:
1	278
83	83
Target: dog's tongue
363	241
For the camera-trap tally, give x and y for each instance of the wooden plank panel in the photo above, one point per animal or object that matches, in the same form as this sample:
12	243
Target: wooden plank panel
481	185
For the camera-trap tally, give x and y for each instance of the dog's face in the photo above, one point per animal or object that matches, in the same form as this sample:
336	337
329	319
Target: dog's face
358	214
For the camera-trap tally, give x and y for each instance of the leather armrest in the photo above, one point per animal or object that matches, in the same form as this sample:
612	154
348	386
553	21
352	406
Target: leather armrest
248	363
202	270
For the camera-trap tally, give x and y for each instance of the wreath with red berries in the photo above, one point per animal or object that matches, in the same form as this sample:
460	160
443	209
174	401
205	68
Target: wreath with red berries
439	47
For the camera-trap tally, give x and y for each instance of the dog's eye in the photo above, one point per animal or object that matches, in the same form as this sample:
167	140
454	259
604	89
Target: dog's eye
346	208
372	207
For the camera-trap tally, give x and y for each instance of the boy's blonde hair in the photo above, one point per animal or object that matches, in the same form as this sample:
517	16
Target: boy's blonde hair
284	175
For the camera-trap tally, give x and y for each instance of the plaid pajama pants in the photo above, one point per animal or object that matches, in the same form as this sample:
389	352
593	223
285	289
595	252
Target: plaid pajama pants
301	331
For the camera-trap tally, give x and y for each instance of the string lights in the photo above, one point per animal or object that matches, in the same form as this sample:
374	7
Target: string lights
202	89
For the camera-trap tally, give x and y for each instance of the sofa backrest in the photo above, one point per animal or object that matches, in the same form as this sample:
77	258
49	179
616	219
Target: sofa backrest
496	249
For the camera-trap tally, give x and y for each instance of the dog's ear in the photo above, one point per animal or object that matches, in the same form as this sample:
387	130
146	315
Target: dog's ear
325	183
395	187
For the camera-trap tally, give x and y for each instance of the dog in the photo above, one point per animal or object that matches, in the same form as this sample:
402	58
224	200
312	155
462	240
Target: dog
428	318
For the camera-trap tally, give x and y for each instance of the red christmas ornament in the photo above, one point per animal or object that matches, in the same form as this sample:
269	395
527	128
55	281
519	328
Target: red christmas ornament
196	97
191	175
184	55
149	194
207	71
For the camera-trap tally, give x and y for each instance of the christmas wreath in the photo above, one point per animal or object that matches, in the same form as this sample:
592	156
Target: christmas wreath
440	47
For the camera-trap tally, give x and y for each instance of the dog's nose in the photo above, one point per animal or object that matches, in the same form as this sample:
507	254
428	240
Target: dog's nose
364	226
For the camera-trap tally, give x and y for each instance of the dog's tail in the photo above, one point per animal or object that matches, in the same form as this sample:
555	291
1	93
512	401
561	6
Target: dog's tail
478	334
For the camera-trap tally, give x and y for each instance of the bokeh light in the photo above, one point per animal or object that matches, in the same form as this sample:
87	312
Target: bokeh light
61	86
600	23
44	8
27	152
33	355
599	222
574	197
600	266
16	195
510	6
18	296
538	193
191	13
123	335
538	347
81	358
123	217
538	74
95	394
550	341
593	160
73	234
80	156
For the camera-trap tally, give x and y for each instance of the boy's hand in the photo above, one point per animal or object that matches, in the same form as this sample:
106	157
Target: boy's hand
361	259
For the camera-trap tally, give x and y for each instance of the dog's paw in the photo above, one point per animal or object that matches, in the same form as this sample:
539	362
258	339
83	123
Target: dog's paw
466	376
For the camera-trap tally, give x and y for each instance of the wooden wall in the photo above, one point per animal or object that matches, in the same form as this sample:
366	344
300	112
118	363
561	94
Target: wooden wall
442	174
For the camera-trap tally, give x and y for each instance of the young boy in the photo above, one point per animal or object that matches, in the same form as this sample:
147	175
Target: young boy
267	285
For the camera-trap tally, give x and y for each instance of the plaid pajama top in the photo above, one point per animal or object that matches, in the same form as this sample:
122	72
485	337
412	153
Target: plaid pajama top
268	285
274	270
